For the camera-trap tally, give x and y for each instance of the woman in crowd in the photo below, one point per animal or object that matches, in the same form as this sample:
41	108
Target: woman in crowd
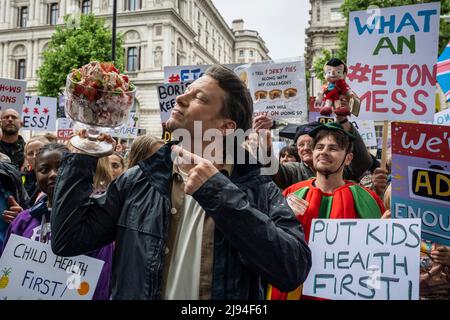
117	164
34	223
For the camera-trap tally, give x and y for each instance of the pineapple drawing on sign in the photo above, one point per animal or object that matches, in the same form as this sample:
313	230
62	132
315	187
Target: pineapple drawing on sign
4	280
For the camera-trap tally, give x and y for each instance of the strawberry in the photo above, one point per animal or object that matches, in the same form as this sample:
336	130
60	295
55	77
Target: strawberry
108	67
125	78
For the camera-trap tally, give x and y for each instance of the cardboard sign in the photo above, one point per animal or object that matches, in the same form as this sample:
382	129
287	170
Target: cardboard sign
12	94
366	128
443	117
65	128
129	129
39	113
421	177
279	89
167	93
30	270
364	259
391	60
188	73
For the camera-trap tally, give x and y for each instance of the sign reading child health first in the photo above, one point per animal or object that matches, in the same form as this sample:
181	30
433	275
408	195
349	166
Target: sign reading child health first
391	61
421	177
364	259
30	270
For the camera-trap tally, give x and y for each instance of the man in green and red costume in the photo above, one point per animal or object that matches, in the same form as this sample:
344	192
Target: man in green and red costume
329	196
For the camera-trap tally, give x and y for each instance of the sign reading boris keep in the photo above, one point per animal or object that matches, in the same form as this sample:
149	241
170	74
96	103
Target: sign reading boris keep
364	259
421	177
391	60
12	94
39	113
167	93
30	270
278	89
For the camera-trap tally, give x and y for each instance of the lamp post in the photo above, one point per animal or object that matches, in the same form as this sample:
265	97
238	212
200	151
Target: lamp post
311	72
114	22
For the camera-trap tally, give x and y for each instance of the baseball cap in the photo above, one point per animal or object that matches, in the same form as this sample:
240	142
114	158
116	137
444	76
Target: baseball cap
331	126
306	129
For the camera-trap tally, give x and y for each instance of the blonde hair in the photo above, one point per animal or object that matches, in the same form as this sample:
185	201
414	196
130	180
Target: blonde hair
103	175
142	148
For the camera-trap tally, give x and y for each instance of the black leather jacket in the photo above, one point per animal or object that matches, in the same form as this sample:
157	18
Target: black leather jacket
256	234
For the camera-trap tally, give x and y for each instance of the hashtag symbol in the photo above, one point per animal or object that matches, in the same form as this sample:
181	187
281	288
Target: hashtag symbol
359	73
174	78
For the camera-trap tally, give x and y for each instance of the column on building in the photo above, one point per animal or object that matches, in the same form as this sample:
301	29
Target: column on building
62	11
36	54
2	63
9	14
167	52
148	58
29	63
2	11
43	13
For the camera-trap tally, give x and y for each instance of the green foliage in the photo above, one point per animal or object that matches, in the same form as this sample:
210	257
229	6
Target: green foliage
319	63
72	46
357	5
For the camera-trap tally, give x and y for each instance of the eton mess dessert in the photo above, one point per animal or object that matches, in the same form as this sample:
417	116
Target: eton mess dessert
99	95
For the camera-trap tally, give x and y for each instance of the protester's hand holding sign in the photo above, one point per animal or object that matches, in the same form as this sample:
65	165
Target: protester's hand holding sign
441	255
200	169
14	209
262	122
380	181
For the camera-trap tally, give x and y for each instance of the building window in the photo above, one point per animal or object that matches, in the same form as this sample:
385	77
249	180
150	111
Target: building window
241	53
21	69
132	59
158	30
251	53
22	17
336	14
318	13
53	9
132	5
86	7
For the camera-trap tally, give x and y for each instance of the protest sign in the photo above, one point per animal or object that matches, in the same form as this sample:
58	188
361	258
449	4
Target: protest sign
188	73
421	177
279	89
443	117
364	259
392	61
129	129
39	113
65	128
12	94
30	270
366	128
167	93
61	112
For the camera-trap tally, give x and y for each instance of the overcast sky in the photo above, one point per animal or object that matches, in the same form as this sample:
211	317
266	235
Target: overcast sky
281	23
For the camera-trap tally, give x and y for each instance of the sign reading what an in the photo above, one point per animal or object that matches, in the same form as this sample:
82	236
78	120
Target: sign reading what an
364	259
392	61
31	271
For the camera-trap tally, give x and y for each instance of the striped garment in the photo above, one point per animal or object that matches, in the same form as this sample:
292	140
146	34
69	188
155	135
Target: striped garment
443	71
351	201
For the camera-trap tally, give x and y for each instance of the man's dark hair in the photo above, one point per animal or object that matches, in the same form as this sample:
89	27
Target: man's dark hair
238	104
342	140
334	62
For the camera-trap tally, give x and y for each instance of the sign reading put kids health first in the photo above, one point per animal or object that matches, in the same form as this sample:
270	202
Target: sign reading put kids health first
30	270
421	177
391	61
